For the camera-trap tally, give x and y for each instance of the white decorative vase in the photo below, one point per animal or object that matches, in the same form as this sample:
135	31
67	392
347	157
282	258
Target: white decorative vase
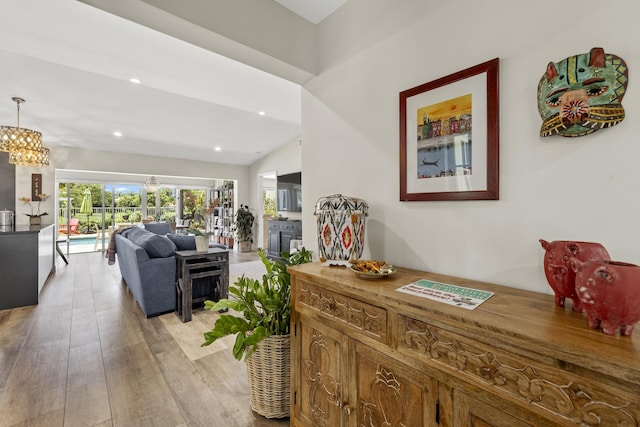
341	223
202	243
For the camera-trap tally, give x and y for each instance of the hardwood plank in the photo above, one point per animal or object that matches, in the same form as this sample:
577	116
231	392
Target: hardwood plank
52	323
192	395
53	418
14	326
86	355
137	391
87	399
117	329
84	323
227	379
37	383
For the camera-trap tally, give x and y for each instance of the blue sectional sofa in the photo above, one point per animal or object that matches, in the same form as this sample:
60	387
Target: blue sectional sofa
148	265
146	258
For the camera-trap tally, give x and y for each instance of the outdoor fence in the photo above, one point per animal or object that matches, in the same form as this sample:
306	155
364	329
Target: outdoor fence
119	214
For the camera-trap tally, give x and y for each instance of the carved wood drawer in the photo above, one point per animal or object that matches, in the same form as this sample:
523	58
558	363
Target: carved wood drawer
575	399
365	318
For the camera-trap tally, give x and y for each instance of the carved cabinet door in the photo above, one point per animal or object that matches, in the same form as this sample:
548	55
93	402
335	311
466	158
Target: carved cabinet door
319	400
474	413
392	394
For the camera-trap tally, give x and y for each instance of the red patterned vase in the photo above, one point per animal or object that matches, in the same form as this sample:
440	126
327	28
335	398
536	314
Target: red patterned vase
558	271
610	294
341	223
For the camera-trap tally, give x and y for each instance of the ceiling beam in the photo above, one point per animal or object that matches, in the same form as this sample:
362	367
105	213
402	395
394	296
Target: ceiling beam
262	34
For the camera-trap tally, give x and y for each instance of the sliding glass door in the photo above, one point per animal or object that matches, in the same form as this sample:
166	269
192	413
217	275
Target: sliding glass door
89	213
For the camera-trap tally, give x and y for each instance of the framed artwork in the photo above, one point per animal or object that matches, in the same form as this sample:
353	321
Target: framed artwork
36	186
450	137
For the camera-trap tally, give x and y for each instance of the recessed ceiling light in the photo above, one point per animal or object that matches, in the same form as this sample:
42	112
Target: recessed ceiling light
117	133
135	80
262	113
217	148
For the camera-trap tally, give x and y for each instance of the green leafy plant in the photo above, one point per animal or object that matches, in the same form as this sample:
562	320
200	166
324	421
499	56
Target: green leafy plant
244	224
199	232
265	305
268	205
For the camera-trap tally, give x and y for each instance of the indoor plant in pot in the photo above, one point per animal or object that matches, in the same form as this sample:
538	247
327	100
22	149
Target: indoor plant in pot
244	228
262	331
35	217
201	239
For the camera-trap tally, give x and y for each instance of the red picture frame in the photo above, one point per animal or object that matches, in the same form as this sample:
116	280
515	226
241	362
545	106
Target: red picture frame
476	177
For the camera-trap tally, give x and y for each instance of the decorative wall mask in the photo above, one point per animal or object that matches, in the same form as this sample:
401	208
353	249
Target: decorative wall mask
582	93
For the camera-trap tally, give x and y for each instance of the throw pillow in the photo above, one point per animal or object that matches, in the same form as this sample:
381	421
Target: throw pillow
183	242
158	227
126	231
156	245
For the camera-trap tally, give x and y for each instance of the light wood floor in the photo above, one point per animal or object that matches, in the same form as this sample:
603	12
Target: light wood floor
87	356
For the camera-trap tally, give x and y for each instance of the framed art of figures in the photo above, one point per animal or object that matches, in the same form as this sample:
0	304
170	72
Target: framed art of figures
449	137
36	186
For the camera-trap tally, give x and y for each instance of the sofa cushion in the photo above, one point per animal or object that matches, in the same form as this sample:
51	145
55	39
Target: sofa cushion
183	242
125	232
156	245
158	227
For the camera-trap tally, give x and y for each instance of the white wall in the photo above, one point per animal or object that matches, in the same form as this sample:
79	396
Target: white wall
286	159
552	188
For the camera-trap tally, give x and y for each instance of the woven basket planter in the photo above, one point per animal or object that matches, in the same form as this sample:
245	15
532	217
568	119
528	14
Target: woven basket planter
268	372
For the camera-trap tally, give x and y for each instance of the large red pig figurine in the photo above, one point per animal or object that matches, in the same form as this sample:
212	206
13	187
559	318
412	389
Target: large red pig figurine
610	294
558	270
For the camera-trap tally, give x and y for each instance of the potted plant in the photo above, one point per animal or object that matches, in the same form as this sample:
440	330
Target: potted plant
244	228
262	330
35	217
201	238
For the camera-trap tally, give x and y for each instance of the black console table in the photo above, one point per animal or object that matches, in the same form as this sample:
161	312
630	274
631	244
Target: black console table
281	233
27	255
192	265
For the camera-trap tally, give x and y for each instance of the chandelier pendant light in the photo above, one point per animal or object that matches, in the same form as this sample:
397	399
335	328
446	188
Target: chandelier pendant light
26	157
23	145
152	184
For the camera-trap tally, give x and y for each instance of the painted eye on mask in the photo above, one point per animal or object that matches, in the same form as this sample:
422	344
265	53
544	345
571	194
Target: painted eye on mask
554	101
597	90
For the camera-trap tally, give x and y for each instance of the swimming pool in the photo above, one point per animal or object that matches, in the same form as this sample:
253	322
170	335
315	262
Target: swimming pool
82	241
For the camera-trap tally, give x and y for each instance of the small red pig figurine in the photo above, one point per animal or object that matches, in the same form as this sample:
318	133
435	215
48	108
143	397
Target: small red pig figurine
610	294
558	270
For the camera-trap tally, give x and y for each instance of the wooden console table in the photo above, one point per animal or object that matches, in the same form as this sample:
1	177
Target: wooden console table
192	265
363	353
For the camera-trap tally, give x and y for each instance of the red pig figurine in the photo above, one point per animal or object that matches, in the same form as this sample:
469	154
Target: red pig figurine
610	294
558	271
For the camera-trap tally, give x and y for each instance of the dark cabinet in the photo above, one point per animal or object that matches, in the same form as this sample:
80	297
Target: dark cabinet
281	233
273	250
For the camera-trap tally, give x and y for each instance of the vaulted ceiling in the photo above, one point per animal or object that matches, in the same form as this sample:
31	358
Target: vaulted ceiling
73	63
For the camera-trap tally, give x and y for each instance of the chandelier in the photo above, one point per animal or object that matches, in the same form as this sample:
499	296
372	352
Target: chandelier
152	184
23	145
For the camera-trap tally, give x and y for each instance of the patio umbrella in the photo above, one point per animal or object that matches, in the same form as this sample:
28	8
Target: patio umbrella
86	207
